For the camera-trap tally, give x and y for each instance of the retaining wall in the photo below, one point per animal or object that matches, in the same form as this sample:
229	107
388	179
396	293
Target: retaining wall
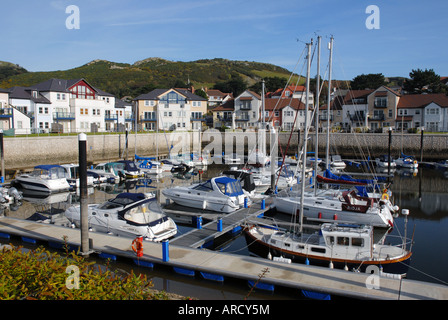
30	151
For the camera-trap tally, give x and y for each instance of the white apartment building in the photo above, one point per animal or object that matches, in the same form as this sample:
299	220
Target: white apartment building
171	109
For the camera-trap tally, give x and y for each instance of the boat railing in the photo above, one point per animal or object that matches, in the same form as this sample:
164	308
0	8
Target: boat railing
400	243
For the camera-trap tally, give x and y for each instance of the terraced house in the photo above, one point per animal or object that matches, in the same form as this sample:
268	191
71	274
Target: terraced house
170	109
60	105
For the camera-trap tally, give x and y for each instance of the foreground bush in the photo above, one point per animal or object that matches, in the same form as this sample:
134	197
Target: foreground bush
44	275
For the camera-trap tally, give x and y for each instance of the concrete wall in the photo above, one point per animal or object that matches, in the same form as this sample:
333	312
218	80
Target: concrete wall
28	152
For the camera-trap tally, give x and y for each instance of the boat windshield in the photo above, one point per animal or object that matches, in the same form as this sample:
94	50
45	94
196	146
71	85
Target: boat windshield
232	188
50	173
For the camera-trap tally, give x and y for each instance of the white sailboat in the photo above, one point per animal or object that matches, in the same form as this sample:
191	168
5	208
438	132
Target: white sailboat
345	245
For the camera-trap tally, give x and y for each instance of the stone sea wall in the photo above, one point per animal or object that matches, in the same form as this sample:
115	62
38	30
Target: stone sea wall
27	152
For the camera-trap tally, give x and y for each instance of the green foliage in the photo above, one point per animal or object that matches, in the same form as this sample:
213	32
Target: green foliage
367	81
8	70
42	275
123	79
424	81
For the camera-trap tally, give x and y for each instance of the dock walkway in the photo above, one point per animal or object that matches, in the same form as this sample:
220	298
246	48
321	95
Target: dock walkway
325	280
208	232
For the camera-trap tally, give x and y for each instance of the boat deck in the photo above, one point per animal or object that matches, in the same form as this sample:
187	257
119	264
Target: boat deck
325	280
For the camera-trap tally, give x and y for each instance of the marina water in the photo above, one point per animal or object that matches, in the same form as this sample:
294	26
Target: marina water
424	193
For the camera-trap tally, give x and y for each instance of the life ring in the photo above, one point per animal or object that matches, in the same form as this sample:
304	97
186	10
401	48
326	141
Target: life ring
385	197
137	246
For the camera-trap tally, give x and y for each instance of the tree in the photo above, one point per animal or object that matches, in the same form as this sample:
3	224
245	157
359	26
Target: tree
235	85
271	84
201	93
423	81
367	81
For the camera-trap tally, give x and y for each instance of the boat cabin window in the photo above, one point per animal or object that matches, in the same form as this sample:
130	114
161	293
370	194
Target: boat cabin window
343	241
206	186
358	242
318	250
330	240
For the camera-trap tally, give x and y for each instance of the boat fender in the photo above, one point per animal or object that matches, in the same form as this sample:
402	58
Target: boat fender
137	246
385	196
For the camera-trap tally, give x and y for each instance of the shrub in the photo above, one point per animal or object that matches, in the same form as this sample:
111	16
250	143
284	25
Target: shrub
43	275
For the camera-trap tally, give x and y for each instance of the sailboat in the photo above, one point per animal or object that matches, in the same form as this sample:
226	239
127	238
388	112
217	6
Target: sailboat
341	245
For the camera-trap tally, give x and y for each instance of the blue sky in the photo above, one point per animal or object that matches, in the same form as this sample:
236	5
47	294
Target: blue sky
412	34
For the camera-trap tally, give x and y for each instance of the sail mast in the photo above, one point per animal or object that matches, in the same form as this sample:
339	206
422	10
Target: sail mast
305	134
316	114
327	159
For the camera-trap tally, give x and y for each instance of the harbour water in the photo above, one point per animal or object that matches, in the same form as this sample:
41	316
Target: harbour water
423	193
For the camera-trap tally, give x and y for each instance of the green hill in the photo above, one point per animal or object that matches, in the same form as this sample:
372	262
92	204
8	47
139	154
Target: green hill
123	79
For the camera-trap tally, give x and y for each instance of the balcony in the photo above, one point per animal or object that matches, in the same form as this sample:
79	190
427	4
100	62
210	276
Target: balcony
242	118
59	116
225	118
6	113
380	105
325	117
129	118
377	117
149	119
111	117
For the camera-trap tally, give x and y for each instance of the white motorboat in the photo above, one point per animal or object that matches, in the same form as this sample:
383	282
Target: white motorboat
72	175
342	246
221	194
383	162
130	169
128	215
110	172
46	178
406	162
284	178
147	166
336	162
346	206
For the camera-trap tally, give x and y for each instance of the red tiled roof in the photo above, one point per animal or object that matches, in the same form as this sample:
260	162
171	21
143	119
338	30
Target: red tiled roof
278	104
422	100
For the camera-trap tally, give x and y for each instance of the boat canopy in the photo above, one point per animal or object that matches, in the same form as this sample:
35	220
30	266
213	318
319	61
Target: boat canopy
50	171
129	165
228	186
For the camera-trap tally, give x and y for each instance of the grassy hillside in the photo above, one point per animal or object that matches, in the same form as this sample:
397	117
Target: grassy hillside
122	79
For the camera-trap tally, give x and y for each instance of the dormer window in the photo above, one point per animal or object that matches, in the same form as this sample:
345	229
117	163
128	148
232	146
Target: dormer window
34	93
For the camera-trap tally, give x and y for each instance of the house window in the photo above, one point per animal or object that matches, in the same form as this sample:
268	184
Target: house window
390	113
81	91
40	110
277	114
381	102
46	110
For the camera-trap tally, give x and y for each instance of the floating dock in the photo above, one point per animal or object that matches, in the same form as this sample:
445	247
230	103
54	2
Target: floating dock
218	266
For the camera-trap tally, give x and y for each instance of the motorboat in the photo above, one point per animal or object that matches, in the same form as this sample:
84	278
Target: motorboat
345	206
110	172
128	215
221	194
284	178
46	178
336	162
442	164
147	166
180	168
342	246
408	162
130	169
10	198
72	175
383	162
246	179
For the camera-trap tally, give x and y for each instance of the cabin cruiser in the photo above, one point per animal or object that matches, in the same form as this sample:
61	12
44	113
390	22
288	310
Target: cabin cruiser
147	166
128	215
222	194
108	172
343	246
336	162
72	175
130	169
406	162
383	162
346	206
46	178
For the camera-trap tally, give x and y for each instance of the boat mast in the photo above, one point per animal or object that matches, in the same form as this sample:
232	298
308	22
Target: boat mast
316	115
305	134
327	159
